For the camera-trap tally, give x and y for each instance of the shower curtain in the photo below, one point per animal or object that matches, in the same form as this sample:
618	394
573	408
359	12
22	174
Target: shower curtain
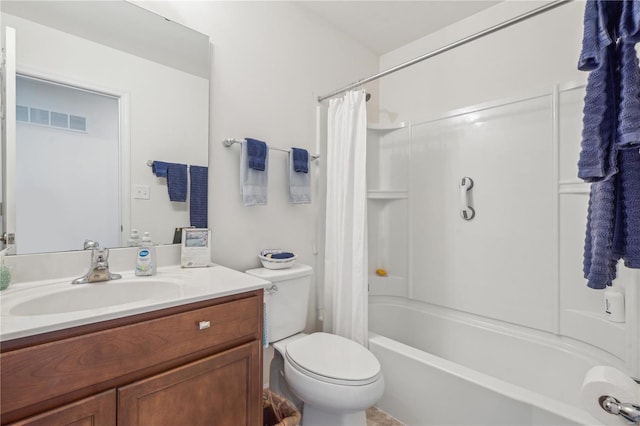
346	269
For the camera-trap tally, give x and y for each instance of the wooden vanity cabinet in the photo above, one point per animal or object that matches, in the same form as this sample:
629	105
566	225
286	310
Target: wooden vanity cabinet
97	410
196	364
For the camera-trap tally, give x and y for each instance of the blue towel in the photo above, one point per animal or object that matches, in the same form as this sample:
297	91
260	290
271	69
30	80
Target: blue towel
630	21
599	122
256	154
629	114
630	189
198	198
599	257
609	156
159	168
177	182
597	35
300	160
254	184
283	255
299	183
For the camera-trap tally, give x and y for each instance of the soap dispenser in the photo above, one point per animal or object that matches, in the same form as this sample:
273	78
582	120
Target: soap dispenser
146	258
614	304
5	272
134	239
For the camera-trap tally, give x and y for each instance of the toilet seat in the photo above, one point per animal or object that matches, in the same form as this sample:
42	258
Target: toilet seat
333	359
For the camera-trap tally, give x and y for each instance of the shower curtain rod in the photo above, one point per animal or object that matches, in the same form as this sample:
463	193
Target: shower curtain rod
490	30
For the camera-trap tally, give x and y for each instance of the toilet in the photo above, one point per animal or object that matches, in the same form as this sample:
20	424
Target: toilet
331	378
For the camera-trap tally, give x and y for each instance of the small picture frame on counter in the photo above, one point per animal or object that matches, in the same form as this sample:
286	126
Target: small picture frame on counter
196	248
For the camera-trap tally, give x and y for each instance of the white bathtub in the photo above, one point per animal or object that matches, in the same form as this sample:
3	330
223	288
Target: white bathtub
447	368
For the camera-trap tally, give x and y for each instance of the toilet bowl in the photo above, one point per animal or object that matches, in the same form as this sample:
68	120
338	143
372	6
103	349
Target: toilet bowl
335	378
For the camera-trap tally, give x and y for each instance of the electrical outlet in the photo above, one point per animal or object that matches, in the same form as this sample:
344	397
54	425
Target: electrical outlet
141	192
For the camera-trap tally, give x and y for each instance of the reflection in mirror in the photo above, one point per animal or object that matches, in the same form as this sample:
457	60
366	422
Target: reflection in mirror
155	86
67	145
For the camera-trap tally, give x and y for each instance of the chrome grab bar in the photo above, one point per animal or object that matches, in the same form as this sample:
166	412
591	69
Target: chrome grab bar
630	412
466	211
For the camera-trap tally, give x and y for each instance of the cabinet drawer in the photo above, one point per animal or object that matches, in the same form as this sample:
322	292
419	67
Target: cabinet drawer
110	357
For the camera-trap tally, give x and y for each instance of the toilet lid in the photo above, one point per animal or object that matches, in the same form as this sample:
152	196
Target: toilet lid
334	359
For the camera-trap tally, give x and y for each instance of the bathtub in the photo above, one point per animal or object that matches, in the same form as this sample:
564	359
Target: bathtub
442	367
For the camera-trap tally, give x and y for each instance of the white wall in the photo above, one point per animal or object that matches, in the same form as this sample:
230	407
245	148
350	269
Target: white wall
538	52
270	62
534	55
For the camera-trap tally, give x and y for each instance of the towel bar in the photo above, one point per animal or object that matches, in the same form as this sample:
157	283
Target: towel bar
150	164
228	142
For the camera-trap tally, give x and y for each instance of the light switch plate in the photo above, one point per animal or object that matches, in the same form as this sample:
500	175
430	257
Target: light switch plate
141	192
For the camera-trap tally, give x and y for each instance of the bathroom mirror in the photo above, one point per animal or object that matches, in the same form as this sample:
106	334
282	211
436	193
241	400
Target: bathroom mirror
155	75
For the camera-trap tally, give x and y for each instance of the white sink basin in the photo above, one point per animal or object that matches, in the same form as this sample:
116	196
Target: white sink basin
82	297
29	308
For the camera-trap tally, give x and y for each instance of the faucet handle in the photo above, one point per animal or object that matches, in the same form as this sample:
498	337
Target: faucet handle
90	245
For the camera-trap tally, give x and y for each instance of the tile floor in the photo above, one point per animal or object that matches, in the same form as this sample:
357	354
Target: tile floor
377	417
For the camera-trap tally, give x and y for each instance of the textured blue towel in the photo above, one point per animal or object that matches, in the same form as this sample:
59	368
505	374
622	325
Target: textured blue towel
630	189
198	198
283	255
599	264
159	168
630	21
597	35
599	121
629	114
609	156
256	154
177	182
300	160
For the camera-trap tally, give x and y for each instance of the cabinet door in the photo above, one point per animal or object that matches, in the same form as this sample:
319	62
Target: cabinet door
223	389
97	410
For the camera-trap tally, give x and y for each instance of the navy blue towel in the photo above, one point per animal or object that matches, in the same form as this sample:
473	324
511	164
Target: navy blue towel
159	168
300	160
599	121
629	113
283	255
198	196
630	205
599	256
256	153
609	156
177	182
630	21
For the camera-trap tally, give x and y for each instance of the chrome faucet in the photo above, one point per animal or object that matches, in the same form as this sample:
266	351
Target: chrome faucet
99	267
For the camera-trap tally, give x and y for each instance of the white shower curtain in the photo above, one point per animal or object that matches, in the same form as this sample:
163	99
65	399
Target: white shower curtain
346	269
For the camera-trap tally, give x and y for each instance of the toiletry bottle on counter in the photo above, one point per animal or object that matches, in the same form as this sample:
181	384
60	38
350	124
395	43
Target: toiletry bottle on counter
614	304
5	272
146	259
134	239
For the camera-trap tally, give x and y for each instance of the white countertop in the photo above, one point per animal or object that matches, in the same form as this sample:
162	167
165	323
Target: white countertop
177	286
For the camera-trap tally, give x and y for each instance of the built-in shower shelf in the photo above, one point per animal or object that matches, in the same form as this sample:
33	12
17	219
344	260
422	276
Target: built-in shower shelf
387	194
387	126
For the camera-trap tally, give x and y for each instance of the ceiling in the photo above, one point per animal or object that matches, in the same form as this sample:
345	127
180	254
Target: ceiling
383	26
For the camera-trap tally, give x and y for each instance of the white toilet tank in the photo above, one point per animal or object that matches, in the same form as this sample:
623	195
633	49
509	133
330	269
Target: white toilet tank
286	300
